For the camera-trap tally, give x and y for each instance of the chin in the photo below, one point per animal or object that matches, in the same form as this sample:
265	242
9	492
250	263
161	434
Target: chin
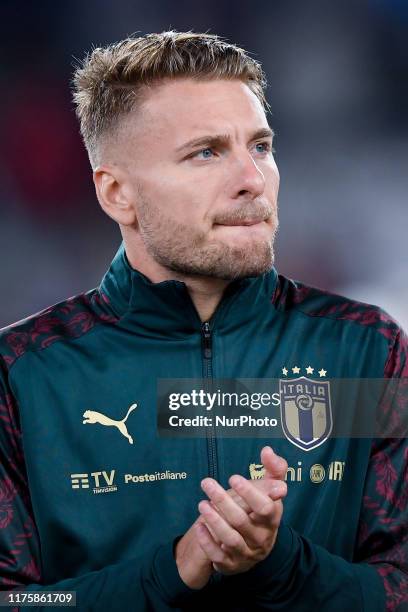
242	263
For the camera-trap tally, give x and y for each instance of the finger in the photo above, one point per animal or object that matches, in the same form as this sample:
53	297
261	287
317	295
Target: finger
275	466
275	489
230	539
278	491
208	544
225	504
238	500
201	520
211	530
258	501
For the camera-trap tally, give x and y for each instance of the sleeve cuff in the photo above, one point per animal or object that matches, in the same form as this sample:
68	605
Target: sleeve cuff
165	568
276	567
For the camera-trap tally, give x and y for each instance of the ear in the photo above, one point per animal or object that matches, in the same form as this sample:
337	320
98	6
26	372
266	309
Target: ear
115	194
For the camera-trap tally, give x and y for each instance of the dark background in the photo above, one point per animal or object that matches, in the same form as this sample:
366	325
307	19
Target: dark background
338	87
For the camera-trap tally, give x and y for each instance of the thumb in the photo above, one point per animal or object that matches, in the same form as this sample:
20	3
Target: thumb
275	466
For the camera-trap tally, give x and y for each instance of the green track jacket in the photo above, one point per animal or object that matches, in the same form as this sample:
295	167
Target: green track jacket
92	500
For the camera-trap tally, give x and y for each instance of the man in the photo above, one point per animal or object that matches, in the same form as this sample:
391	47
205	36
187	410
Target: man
92	500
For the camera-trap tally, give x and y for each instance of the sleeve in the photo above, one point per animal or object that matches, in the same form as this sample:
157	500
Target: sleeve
301	576
149	582
383	528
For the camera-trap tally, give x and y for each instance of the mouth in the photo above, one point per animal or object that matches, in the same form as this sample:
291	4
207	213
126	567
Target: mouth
243	222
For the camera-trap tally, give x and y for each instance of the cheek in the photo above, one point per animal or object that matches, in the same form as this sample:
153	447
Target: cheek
276	171
188	196
177	198
272	179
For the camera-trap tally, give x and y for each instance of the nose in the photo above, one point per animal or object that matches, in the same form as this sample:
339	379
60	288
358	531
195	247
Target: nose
247	178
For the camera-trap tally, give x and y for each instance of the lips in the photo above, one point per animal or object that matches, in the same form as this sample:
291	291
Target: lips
244	222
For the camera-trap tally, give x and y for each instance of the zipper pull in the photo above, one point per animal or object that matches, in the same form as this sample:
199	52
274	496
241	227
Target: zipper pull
207	340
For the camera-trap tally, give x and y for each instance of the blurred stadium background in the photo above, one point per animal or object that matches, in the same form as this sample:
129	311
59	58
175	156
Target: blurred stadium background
338	87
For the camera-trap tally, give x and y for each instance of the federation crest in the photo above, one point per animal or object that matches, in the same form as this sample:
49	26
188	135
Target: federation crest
306	413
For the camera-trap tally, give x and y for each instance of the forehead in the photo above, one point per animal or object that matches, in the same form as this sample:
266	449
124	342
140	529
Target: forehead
187	107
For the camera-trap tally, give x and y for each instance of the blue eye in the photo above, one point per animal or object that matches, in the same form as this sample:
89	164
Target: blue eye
204	153
266	147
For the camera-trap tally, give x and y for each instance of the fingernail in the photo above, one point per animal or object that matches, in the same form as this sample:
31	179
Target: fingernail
204	507
278	488
207	486
278	491
236	480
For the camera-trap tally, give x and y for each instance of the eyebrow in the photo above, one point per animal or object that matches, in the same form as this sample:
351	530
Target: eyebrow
222	139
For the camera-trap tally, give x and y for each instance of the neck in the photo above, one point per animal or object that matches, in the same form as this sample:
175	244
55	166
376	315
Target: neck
205	291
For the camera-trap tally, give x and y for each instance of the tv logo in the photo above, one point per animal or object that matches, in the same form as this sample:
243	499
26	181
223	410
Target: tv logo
101	482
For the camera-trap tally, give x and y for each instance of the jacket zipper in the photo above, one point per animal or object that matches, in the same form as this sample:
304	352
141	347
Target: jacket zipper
208	373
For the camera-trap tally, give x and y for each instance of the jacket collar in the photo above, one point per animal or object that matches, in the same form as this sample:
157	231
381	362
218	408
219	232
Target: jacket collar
166	309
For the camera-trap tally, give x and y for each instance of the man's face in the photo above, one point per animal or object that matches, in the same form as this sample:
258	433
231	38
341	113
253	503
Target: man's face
198	155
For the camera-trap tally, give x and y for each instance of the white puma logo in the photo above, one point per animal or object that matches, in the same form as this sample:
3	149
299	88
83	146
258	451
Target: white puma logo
91	416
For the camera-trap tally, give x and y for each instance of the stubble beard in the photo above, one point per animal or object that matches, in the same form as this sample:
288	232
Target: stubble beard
186	250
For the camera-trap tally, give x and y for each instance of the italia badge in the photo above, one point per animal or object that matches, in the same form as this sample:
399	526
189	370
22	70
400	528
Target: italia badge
306	412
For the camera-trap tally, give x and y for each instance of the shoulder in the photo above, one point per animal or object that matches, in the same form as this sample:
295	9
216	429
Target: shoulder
315	302
291	295
70	318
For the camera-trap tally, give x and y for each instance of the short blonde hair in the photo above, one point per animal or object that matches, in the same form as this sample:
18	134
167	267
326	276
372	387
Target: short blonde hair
110	79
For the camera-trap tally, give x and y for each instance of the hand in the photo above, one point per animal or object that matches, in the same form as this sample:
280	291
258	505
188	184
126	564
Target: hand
235	535
194	565
273	483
